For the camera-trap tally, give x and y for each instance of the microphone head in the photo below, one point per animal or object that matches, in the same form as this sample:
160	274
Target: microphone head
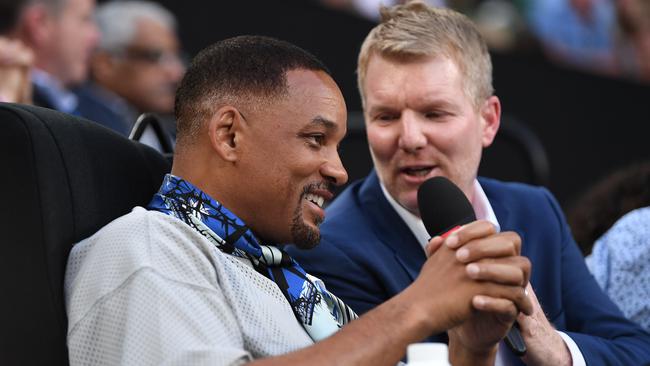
443	206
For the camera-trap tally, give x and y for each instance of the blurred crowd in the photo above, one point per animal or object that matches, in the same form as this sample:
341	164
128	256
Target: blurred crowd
107	63
73	57
610	37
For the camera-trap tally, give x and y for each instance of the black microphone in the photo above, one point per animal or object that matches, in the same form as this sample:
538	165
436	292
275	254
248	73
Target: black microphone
443	209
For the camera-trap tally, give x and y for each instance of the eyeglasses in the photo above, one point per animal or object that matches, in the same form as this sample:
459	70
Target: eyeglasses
151	56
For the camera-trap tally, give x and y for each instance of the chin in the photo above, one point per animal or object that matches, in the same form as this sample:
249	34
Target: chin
305	236
409	200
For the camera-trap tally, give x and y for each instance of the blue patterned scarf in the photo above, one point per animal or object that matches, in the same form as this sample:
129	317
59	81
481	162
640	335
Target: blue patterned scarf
320	312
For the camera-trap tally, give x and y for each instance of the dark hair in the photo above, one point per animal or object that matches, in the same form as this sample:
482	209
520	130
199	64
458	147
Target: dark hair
607	201
11	10
9	13
244	69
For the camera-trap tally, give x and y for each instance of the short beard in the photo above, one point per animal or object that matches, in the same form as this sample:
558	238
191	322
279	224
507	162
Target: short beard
303	236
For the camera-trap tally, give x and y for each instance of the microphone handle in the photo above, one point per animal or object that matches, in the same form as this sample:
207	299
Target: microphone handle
515	341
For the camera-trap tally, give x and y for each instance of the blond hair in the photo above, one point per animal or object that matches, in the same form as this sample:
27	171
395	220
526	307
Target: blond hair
415	30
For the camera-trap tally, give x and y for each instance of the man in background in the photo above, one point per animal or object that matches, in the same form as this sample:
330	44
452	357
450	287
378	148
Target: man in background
61	35
425	79
136	67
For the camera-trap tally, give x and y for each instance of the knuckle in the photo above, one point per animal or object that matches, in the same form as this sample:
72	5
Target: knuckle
488	227
513	237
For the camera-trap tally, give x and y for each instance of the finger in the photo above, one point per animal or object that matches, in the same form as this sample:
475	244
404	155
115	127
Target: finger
433	245
516	294
498	245
505	310
503	273
528	322
530	292
471	231
494	264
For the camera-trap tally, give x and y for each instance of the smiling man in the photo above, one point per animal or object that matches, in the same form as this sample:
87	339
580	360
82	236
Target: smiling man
199	277
425	78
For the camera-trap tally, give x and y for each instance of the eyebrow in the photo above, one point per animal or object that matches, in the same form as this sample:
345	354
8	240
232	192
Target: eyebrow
433	104
321	121
380	109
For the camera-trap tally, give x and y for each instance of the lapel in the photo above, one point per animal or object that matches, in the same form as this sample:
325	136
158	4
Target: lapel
497	196
395	234
389	227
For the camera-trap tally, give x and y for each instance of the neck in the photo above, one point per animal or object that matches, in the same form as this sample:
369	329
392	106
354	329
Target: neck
211	175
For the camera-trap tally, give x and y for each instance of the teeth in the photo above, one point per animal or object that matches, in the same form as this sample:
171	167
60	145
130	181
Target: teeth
318	200
418	172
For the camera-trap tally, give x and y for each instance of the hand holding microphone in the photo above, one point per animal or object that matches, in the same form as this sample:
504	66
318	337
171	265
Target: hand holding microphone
493	257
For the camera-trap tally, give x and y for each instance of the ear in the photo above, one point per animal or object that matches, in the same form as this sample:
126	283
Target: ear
224	129
36	24
490	114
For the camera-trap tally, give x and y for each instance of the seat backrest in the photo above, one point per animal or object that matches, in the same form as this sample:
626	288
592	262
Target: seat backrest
63	178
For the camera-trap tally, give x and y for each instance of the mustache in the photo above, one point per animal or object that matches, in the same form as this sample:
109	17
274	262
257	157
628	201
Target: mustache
324	185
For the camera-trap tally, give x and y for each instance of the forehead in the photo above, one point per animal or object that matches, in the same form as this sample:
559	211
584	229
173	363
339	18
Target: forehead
77	7
422	79
313	94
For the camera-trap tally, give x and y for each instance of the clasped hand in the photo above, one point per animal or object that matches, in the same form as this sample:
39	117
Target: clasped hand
478	278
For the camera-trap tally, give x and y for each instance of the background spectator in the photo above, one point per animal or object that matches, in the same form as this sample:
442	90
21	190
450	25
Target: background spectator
136	67
620	262
611	222
61	34
607	201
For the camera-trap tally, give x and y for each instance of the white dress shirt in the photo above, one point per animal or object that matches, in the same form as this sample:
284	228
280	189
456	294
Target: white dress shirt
62	99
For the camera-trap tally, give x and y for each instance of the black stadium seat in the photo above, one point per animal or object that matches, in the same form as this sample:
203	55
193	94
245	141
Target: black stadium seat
63	178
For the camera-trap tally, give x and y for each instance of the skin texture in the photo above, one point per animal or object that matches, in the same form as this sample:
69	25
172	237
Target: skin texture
147	85
272	152
258	159
417	116
287	149
62	41
545	345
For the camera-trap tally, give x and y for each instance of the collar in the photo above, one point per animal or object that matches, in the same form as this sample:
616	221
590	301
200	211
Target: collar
61	98
480	203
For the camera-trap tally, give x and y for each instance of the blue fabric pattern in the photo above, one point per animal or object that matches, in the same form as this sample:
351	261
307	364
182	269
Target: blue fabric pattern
620	262
320	312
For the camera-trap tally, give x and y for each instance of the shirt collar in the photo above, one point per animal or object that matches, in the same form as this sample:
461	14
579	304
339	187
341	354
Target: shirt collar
480	203
61	98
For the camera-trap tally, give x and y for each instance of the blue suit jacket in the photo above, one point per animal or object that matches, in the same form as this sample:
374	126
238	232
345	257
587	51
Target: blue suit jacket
368	254
101	106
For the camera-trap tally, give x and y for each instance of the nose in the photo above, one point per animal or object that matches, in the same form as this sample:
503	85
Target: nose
411	137
334	171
